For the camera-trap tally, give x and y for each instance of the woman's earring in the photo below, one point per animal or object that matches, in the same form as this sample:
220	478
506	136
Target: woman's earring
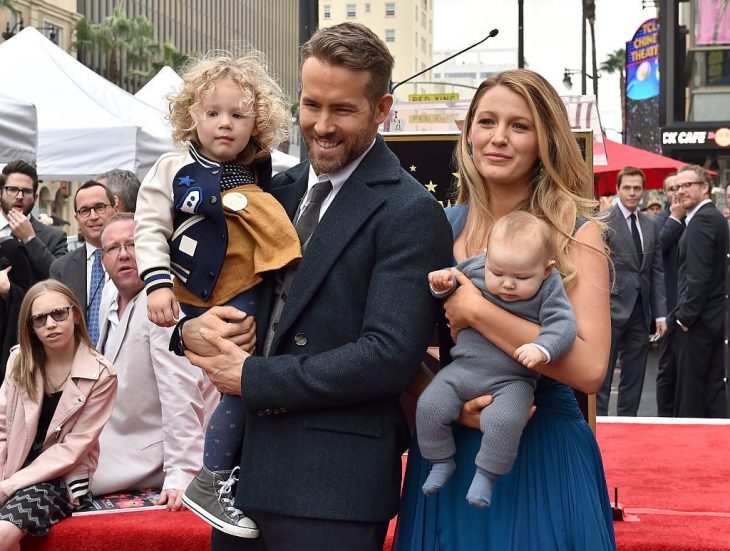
470	145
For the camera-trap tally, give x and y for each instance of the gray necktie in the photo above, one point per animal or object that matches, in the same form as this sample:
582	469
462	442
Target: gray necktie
305	225
309	218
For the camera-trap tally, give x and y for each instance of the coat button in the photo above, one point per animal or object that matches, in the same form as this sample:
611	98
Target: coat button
81	399
300	339
213	200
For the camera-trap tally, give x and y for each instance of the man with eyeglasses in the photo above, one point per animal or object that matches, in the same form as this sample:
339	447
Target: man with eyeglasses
671	225
698	320
18	194
82	269
637	292
154	437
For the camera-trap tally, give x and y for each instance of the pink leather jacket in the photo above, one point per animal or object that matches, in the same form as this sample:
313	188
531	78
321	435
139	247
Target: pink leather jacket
71	447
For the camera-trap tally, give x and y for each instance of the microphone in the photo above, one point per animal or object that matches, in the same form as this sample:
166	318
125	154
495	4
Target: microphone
394	85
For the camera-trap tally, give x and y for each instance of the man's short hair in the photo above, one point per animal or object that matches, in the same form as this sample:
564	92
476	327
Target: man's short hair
630	171
355	47
702	174
118	217
91	183
21	167
125	185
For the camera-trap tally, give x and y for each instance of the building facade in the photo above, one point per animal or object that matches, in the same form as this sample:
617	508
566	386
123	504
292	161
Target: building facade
54	18
406	26
694	107
197	26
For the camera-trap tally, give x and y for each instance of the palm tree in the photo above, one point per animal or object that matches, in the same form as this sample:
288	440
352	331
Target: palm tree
590	15
616	62
119	37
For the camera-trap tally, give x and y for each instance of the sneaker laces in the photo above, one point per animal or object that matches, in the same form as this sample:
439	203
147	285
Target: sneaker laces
224	495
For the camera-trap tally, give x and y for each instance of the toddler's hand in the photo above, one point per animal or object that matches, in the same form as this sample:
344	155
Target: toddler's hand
162	307
441	280
530	355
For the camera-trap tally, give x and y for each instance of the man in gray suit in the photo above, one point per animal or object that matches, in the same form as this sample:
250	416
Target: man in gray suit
94	205
18	194
345	331
637	292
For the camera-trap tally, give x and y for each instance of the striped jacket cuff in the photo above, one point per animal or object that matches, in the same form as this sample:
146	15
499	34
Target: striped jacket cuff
157	279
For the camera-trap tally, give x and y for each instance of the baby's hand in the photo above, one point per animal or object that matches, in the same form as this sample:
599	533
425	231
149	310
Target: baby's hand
162	307
530	355
441	280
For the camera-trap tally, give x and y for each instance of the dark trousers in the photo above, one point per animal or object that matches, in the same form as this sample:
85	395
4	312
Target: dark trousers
666	377
632	342
700	373
285	533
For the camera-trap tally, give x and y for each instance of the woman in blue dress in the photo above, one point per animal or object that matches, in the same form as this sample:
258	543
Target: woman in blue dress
517	152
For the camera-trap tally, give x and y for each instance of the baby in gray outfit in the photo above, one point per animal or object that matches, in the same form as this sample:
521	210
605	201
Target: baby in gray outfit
517	275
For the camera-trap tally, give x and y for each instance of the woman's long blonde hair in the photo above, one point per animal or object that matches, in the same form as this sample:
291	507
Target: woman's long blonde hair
561	187
32	355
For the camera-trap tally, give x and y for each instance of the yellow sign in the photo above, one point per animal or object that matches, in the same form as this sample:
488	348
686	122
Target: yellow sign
432	97
436	117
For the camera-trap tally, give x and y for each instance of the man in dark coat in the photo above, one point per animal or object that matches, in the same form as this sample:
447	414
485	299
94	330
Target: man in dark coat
344	333
698	320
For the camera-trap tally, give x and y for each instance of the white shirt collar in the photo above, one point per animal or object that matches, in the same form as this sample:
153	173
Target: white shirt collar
691	213
626	212
89	249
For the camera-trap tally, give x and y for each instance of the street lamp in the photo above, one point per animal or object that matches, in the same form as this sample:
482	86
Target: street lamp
568	82
11	32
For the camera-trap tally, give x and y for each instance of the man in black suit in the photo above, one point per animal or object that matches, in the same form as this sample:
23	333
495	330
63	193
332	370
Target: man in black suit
346	329
18	194
94	205
671	225
698	321
637	292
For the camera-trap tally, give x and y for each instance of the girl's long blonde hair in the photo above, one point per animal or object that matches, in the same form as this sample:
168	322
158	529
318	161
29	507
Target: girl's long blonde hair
561	186
32	355
260	92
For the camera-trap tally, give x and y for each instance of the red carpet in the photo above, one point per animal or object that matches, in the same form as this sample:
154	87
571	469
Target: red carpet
673	480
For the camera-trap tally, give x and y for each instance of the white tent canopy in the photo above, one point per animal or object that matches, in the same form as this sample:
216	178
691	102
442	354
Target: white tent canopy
86	124
18	130
167	82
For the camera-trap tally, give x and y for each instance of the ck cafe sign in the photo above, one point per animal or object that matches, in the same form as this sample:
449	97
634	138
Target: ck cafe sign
696	139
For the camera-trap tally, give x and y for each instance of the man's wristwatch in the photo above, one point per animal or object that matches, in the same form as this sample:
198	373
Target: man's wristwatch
177	345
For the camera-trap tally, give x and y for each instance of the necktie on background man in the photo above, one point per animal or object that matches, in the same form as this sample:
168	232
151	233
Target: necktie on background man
95	288
635	235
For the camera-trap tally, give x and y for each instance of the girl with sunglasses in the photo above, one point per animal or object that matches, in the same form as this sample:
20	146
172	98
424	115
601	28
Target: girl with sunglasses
57	395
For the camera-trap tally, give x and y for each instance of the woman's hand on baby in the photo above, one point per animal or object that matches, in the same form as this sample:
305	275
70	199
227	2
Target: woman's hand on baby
162	307
530	355
459	305
441	280
471	411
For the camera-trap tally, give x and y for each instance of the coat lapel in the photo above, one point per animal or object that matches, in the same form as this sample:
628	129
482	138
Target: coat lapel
112	345
353	206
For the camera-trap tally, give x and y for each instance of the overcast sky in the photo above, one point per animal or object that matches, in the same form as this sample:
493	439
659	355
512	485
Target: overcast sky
551	36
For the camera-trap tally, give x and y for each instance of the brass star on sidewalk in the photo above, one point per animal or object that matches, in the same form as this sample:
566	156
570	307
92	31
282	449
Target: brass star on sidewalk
413	168
430	186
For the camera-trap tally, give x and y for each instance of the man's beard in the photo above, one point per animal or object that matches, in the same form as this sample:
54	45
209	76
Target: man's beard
354	146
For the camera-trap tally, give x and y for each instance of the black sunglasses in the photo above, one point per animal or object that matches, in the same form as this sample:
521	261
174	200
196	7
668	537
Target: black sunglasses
58	314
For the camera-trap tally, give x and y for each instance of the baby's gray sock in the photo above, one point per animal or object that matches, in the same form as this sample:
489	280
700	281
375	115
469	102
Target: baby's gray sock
480	491
440	473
